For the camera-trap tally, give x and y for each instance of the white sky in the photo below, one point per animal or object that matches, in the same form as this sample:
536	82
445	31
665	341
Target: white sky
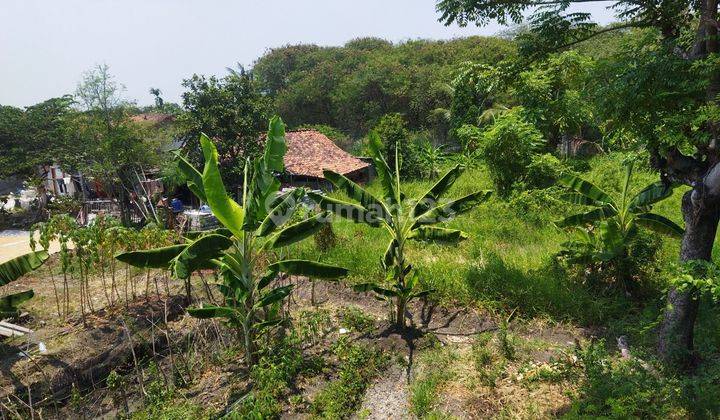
45	45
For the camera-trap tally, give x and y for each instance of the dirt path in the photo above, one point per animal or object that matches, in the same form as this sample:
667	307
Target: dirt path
387	397
14	243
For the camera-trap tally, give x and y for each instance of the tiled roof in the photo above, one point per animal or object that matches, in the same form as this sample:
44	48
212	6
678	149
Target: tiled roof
309	152
152	117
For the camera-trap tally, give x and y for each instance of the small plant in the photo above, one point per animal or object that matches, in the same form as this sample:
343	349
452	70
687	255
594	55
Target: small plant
358	366
354	319
402	220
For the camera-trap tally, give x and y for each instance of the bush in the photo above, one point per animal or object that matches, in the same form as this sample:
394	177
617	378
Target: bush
543	171
508	148
392	129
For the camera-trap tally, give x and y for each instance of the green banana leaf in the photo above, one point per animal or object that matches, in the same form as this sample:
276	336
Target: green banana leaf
356	192
389	256
309	269
9	304
298	231
430	198
452	209
275	146
384	174
152	258
587	218
196	254
357	214
193	176
585	188
281	213
651	194
436	234
275	295
659	224
228	212
19	266
195	234
207	312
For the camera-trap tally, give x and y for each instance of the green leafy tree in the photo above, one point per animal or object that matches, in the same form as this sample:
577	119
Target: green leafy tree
508	148
232	111
667	96
251	297
392	130
404	221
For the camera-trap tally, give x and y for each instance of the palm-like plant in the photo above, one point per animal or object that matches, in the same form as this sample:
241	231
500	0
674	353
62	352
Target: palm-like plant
432	157
252	230
615	221
402	220
14	269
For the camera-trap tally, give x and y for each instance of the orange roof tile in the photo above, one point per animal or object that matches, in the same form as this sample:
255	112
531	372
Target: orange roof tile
309	152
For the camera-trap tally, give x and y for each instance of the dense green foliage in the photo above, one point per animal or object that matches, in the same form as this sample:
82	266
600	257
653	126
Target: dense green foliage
353	86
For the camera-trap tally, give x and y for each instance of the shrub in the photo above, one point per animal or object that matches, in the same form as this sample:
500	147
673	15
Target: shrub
392	129
508	148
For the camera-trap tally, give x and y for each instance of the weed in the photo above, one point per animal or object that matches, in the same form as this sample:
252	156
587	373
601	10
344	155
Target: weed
358	366
355	319
435	372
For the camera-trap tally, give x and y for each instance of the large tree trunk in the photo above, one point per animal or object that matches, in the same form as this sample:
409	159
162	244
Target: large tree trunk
676	331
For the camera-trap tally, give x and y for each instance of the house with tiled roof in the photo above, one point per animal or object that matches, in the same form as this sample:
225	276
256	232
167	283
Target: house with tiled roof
309	152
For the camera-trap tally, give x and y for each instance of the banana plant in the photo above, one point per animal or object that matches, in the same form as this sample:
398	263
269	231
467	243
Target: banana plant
253	230
13	270
607	231
403	220
626	212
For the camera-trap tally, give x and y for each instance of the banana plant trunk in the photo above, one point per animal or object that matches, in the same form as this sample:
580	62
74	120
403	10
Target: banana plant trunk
676	338
400	312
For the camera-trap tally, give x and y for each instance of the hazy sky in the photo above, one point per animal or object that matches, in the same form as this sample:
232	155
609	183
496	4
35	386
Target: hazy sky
45	45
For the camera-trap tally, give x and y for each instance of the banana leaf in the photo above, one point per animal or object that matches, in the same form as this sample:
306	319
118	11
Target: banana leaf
452	209
207	312
281	213
9	303
275	295
651	194
228	212
372	287
356	192
659	224
19	266
152	258
309	269
385	175
585	188
430	198
436	234
389	256
587	218
275	146
196	254
357	214
193	176
298	231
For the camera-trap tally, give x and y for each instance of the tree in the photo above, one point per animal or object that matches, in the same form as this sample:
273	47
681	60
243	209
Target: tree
105	144
676	67
232	112
392	130
404	221
156	93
